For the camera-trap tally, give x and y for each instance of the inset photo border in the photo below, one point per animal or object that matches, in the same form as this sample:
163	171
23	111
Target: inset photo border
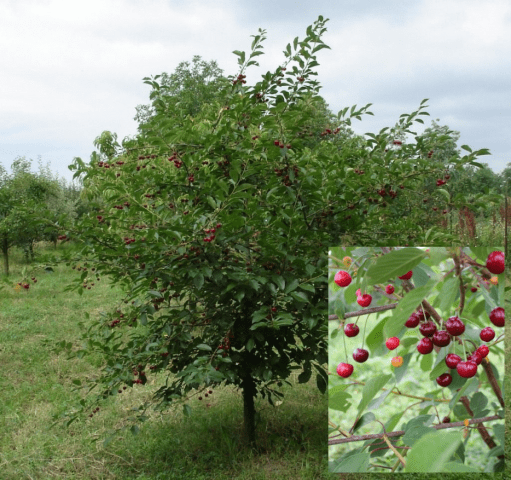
416	359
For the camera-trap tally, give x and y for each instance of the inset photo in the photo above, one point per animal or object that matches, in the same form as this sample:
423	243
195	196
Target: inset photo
416	359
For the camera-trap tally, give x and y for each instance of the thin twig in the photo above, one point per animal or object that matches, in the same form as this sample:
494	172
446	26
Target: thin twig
398	433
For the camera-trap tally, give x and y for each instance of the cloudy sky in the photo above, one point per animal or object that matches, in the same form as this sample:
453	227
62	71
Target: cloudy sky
72	69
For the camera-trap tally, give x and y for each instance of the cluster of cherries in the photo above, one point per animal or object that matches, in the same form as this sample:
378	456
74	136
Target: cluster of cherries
453	327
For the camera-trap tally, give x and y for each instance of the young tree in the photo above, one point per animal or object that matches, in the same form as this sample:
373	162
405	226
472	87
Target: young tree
217	227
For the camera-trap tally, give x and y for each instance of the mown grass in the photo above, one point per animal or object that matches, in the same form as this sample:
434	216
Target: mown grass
36	384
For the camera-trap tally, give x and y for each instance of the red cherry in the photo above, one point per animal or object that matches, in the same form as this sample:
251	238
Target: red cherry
454	326
487	334
427	329
473	289
413	320
406	276
344	369
276	143
425	346
497	317
392	343
444	380
364	300
441	338
389	289
475	357
360	355
466	369
451	360
351	330
495	262
342	278
483	350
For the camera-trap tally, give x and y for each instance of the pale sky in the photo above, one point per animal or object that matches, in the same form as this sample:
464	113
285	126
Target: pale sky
72	69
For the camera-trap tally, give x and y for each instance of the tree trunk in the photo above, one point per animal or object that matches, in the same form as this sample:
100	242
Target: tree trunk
248	386
5	251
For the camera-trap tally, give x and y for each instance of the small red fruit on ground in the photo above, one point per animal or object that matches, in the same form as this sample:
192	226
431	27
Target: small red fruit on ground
360	355
406	276
466	369
495	262
342	278
344	369
487	334
444	380
351	330
497	317
392	343
425	346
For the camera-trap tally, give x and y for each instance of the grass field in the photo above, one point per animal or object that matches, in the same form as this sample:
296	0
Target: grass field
36	384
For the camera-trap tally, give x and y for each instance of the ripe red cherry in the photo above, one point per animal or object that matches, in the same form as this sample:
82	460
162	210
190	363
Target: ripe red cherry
483	350
413	320
495	262
446	420
452	360
342	278
466	369
425	346
455	326
497	317
444	380
487	334
441	338
392	343
427	329
475	357
360	355
389	289
351	330
344	369
364	300
406	276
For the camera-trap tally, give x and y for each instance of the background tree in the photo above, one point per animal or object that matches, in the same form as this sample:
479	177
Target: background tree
217	226
185	90
28	201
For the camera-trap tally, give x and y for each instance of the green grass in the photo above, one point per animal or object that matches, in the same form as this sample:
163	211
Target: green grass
36	384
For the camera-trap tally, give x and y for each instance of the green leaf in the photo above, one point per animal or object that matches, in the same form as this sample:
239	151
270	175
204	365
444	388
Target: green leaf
394	264
300	296
292	286
371	388
405	308
250	344
321	383
357	463
460	467
203	346
449	291
339	401
432	452
198	281
187	410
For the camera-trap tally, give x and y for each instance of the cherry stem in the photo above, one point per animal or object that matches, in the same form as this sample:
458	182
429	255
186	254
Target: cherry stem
365	324
345	351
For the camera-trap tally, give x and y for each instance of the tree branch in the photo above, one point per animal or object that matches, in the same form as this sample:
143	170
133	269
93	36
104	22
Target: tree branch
398	433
